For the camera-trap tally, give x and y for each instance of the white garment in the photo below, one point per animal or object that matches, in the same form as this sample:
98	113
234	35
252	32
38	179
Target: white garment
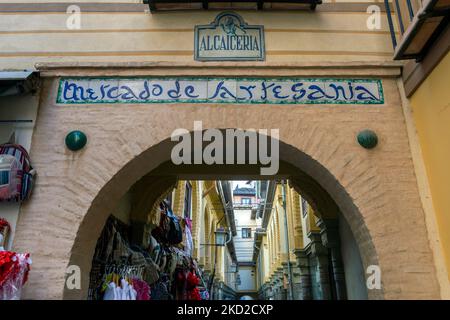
110	293
188	245
133	293
123	292
118	293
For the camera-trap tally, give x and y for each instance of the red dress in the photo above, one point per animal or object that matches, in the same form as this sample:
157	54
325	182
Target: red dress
192	291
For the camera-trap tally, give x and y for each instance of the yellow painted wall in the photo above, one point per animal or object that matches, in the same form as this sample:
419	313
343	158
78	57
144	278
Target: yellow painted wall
272	252
27	38
431	111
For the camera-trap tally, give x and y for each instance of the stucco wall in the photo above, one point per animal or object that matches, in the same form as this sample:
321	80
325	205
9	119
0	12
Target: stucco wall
431	111
337	31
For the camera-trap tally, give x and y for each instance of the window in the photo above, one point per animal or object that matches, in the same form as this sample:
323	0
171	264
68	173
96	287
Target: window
246	232
304	207
187	200
246	201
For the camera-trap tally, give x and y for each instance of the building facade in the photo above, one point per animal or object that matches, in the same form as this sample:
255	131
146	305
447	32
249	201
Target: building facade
300	256
247	224
324	79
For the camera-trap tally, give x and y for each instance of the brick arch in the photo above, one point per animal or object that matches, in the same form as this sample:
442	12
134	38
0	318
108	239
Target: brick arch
318	172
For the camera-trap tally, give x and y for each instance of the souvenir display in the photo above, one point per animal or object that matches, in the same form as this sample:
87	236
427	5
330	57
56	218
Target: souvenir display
165	270
14	267
16	173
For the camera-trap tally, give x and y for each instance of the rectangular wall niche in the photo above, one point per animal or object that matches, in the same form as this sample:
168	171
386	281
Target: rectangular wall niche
219	90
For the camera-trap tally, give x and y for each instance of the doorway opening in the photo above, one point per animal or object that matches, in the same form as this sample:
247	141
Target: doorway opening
223	240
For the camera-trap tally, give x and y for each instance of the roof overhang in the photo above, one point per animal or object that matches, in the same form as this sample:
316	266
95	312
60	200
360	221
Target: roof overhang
162	5
428	24
268	203
17	82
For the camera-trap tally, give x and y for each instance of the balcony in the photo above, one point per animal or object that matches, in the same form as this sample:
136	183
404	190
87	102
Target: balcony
246	206
164	5
420	22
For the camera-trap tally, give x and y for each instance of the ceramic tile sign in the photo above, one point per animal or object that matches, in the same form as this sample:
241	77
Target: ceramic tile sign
229	38
147	90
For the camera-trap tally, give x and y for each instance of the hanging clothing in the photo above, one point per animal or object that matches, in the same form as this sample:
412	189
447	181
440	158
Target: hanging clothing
161	289
14	269
192	281
204	295
7	264
111	292
125	291
188	242
143	291
164	270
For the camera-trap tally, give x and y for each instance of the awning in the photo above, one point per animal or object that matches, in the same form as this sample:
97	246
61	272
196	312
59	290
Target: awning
17	82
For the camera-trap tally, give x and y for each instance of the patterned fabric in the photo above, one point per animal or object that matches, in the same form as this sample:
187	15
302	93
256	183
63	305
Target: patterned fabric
4	177
95	281
161	289
25	171
6	265
10	178
204	295
19	153
14	268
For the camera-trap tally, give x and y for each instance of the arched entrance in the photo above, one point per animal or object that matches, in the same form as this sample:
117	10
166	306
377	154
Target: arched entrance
161	175
157	180
375	190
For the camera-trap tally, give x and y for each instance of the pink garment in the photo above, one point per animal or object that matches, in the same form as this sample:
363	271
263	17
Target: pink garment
142	289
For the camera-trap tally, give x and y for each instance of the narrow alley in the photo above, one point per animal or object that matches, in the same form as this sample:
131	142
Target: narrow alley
225	240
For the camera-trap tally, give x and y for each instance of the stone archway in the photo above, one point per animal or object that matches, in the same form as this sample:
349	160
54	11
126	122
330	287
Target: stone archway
375	190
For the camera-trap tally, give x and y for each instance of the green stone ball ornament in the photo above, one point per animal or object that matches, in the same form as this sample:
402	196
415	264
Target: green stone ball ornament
76	140
367	139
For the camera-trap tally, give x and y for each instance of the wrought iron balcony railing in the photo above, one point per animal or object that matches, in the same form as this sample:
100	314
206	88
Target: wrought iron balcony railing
156	5
420	23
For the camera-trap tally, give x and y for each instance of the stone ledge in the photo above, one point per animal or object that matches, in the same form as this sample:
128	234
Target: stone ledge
163	68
